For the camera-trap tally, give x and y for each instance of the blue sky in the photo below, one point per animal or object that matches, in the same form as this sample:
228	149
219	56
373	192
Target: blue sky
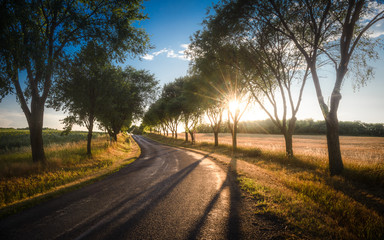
170	25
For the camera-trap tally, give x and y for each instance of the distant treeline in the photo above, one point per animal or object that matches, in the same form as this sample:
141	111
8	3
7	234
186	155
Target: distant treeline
305	127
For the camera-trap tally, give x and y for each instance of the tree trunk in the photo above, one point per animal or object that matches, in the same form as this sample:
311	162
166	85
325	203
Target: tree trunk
89	137
234	136
288	137
35	124
192	137
186	135
333	142
288	145
216	134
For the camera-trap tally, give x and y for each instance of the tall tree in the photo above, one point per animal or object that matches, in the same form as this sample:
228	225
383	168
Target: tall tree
216	58
273	67
171	97
36	35
330	29
80	88
192	105
128	94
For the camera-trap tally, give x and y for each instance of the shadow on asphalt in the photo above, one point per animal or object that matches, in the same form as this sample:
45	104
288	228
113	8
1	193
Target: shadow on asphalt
233	225
152	197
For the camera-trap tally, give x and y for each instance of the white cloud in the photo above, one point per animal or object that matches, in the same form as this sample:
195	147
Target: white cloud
148	57
12	118
164	50
377	30
170	53
374	9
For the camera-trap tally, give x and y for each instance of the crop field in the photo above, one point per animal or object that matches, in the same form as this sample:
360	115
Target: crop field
14	139
357	150
66	163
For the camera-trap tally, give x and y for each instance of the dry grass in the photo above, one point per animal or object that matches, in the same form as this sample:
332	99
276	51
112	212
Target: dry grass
300	191
358	150
67	164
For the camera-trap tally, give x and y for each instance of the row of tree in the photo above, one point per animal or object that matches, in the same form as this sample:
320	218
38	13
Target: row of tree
264	52
304	127
42	40
91	89
178	104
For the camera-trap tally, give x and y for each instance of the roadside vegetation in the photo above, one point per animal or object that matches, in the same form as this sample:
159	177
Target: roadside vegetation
67	164
300	191
16	139
70	55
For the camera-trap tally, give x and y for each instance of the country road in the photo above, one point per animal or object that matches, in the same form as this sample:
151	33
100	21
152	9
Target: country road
167	193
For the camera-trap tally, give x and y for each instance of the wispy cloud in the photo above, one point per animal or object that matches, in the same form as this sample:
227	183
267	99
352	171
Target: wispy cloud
160	52
169	53
148	57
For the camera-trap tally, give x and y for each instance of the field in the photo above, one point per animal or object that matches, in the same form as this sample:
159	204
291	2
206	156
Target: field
299	191
14	139
67	162
357	150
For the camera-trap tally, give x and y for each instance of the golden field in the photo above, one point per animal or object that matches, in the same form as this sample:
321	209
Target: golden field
359	150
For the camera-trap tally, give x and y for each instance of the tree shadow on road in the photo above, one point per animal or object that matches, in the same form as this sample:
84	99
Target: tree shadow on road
233	221
145	201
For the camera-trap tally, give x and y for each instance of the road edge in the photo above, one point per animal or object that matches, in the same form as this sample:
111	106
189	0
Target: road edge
69	187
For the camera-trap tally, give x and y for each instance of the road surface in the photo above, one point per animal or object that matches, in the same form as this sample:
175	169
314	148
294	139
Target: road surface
167	193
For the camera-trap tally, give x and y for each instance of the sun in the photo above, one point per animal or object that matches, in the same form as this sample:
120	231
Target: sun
233	106
248	112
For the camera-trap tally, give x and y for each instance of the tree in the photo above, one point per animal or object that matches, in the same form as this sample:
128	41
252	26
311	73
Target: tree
192	105
216	58
152	119
171	96
332	30
80	88
37	35
212	102
272	66
128	93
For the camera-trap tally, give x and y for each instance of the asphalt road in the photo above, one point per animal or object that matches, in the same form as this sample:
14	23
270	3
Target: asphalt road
167	193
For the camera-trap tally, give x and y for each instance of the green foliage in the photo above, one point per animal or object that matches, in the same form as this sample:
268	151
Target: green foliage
38	36
13	139
128	93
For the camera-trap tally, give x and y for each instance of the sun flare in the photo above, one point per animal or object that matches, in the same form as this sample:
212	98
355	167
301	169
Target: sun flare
233	105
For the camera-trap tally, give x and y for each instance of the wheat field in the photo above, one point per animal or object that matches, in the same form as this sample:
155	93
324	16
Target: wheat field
361	150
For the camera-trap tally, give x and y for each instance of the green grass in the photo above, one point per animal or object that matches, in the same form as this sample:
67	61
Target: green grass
14	139
21	179
302	193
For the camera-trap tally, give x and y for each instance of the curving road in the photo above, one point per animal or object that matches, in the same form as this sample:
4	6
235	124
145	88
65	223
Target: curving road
167	193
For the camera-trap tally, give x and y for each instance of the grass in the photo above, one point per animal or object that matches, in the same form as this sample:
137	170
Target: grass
301	192
67	164
18	139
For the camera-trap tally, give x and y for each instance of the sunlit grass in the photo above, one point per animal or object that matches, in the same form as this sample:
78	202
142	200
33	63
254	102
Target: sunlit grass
301	192
21	179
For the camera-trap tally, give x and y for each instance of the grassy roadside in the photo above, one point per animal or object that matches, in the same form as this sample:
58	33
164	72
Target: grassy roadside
301	192
24	184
